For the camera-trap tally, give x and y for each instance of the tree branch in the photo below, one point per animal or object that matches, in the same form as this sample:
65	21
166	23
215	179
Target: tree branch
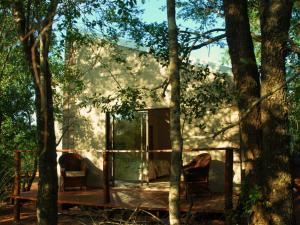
19	17
209	41
164	85
5	62
204	33
294	47
65	130
254	104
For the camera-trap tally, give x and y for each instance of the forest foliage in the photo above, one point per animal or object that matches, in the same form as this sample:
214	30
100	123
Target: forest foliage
84	22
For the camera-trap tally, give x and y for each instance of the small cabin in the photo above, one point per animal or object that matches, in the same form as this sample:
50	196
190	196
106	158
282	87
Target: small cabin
140	145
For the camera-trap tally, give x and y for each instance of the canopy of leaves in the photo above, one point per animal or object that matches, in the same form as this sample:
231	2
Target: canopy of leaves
17	129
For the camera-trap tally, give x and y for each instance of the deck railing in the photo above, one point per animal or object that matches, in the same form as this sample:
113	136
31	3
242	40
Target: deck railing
228	186
228	172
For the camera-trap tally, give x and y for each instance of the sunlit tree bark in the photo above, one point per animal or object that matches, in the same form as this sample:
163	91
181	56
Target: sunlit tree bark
176	139
266	148
247	82
275	23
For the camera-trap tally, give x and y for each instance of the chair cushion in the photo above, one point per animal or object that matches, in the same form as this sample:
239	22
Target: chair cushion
75	173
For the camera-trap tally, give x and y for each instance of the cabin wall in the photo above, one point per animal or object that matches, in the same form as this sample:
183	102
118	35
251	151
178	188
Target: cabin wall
106	69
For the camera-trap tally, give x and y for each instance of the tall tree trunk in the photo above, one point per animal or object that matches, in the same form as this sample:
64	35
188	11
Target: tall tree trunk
36	51
176	139
47	187
275	23
247	82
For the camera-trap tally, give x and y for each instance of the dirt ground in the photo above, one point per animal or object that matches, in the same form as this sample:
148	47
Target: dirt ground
91	216
88	216
28	216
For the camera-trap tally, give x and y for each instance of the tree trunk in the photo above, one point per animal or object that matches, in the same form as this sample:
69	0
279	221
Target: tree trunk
47	187
275	23
247	82
34	170
36	51
176	139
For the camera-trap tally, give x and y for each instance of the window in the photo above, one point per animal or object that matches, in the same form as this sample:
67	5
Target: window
149	130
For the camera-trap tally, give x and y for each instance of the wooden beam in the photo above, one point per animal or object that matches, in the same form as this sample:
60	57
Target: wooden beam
70	150
170	150
138	150
17	185
106	159
228	183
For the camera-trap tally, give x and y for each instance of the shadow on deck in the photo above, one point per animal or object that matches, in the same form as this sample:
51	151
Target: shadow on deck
134	197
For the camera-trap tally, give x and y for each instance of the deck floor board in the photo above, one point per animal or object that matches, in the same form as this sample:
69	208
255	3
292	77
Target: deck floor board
135	198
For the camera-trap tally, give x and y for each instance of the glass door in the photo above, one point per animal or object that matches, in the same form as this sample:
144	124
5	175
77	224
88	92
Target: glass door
130	137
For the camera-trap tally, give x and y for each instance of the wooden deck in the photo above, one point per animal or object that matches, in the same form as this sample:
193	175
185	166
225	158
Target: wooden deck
128	197
146	199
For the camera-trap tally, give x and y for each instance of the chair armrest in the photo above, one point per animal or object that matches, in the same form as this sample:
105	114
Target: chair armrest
75	173
187	168
62	172
196	174
191	170
84	167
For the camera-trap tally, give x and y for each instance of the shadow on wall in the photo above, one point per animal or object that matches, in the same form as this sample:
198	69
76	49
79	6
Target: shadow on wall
94	175
199	133
81	135
84	135
109	68
217	176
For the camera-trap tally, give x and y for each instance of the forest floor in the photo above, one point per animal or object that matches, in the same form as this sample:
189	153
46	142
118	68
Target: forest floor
89	216
92	216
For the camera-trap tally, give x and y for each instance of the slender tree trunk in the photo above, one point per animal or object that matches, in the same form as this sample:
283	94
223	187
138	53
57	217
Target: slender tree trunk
47	191
275	23
176	139
247	82
36	51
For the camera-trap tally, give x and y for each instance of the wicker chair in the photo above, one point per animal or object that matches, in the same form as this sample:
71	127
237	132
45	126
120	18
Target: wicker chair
196	175
73	171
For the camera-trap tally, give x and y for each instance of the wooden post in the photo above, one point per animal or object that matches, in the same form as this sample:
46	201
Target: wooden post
106	159
228	183
112	155
147	147
17	185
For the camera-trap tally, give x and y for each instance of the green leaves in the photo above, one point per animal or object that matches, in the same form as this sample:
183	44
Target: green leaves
203	92
254	195
124	103
16	101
